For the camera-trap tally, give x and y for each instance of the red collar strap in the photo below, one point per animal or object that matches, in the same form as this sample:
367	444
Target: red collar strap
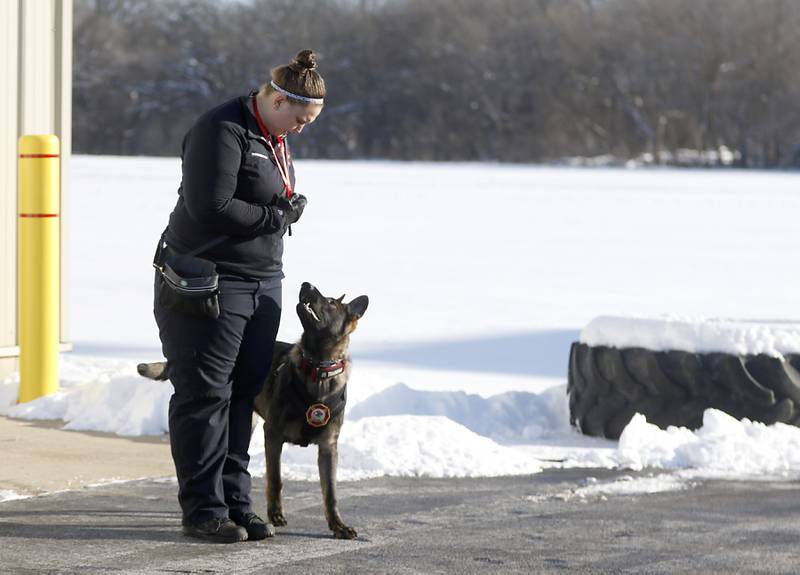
322	370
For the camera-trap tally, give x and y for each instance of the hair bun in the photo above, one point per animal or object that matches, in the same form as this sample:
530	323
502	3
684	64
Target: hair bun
304	61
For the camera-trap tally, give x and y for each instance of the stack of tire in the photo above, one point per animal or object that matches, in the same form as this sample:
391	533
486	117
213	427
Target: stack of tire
608	385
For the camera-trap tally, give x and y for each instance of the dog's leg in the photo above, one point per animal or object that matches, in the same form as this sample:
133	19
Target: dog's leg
273	447
327	458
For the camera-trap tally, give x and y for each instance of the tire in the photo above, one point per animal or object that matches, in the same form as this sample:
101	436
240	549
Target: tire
607	386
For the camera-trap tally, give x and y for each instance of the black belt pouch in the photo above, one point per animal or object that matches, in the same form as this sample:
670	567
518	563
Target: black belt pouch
186	283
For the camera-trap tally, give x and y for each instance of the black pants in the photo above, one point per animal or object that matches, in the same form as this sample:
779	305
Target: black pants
217	367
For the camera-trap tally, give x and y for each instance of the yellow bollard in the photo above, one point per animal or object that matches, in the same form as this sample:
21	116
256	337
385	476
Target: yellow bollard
38	265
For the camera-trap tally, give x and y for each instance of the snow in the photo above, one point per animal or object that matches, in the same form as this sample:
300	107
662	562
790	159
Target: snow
510	417
404	445
624	485
98	394
628	485
8	495
723	447
696	335
480	277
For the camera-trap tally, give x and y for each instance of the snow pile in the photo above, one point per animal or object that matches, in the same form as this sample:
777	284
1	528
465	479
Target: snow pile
406	445
8	495
694	335
723	447
511	417
407	432
96	395
106	395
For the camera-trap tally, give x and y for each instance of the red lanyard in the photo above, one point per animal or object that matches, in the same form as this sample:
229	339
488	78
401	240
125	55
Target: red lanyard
283	168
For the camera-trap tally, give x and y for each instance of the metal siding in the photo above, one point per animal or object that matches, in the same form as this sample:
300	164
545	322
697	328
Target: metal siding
9	58
35	98
63	129
37	107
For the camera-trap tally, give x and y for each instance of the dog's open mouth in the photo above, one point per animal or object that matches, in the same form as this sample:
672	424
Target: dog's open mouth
311	311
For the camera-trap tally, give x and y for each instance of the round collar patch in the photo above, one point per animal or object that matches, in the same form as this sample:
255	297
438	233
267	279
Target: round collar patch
318	415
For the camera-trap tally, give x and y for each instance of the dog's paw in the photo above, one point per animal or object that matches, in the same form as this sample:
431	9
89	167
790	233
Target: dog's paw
342	531
277	518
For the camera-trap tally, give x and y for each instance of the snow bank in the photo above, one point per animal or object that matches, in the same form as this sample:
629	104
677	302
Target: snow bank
407	432
511	417
101	394
694	335
723	447
407	445
97	395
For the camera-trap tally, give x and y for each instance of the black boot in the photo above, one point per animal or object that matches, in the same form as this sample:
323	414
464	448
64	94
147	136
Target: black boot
256	527
217	530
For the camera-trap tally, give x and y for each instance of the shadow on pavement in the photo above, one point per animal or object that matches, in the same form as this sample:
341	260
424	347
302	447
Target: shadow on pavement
87	524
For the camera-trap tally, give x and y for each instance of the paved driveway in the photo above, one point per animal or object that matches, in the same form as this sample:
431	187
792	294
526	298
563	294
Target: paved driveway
533	524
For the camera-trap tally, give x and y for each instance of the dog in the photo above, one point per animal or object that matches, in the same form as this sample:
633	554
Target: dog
302	401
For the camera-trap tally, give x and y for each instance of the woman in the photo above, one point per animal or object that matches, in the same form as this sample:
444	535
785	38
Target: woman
237	191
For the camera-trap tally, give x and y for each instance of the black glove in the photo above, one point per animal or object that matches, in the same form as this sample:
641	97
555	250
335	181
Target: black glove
292	207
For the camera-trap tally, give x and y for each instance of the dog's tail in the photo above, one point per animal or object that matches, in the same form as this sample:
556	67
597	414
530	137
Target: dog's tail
158	370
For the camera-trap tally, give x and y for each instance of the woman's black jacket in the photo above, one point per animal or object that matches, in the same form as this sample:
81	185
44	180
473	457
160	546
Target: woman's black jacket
230	181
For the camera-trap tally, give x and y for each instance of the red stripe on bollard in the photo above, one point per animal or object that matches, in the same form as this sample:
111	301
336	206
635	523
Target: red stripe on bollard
38	215
38	155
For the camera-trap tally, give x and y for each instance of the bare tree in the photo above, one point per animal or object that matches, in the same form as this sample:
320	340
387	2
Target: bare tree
507	80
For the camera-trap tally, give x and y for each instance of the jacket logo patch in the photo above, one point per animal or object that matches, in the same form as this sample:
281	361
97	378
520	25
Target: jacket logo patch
256	154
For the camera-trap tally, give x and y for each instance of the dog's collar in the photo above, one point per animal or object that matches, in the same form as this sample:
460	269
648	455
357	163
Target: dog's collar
322	370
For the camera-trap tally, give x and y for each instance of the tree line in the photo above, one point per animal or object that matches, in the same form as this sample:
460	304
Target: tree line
485	80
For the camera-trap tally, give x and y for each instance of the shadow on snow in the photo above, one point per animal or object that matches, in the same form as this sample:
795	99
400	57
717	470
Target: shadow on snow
537	353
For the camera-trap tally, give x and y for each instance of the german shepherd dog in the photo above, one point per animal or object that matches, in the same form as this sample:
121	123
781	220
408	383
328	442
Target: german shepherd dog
303	399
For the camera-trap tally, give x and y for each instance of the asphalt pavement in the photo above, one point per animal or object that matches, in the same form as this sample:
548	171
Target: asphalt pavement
527	524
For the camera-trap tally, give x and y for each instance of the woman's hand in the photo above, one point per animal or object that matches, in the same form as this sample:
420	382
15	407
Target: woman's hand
292	207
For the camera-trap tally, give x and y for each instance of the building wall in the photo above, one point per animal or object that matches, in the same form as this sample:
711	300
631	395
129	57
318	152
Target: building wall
35	98
9	128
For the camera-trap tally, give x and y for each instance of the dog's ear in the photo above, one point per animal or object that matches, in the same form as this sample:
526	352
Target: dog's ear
341	299
358	306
